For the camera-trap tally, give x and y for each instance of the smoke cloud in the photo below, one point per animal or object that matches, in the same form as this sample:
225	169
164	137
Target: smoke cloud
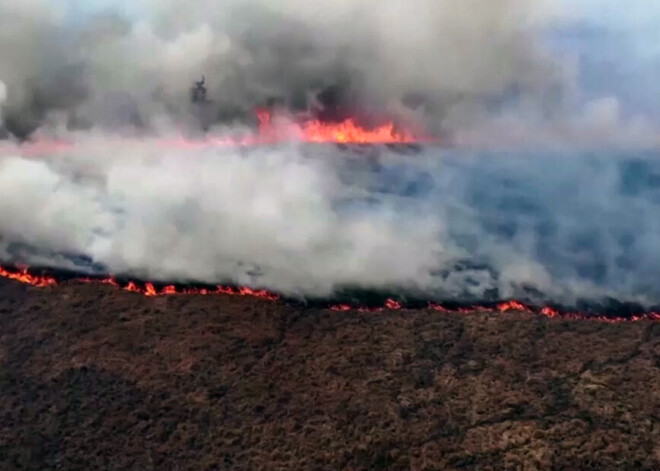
543	214
3	97
310	220
435	59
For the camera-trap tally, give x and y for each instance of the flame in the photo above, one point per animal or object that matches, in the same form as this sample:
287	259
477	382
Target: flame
24	277
344	132
511	306
269	131
349	132
149	289
341	308
393	305
549	312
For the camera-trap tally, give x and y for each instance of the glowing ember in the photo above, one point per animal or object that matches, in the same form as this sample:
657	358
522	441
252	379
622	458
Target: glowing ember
149	289
393	305
549	312
341	308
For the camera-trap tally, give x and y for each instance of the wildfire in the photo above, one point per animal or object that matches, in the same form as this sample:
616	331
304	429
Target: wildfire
344	132
25	277
269	131
149	289
347	132
502	308
549	312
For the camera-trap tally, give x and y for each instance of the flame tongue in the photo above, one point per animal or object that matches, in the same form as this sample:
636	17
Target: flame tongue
344	132
25	277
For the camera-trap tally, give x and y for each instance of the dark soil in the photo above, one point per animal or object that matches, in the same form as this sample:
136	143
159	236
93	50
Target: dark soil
96	378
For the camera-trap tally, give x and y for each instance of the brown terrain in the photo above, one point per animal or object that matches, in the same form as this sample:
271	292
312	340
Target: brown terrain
96	378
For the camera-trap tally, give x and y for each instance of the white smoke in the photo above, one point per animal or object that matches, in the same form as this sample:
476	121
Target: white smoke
3	97
313	220
212	215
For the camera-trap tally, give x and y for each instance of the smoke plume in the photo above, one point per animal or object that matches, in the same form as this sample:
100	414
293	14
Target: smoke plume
435	59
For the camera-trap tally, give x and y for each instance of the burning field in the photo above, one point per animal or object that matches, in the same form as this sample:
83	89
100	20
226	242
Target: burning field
212	304
326	166
244	235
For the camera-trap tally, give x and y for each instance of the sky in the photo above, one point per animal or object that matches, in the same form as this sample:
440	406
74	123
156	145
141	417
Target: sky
612	12
621	43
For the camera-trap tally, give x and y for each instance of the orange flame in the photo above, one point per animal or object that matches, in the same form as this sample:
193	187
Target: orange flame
344	132
267	132
511	306
149	289
393	305
24	277
349	132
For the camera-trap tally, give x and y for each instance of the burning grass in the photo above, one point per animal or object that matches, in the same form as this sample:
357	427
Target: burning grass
610	314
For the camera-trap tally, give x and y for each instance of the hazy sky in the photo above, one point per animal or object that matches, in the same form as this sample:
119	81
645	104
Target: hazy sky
638	20
613	12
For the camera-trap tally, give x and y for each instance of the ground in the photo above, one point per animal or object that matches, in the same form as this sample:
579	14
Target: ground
95	378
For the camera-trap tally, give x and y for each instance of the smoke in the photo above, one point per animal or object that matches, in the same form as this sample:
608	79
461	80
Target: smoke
566	222
270	218
3	97
477	72
432	59
309	220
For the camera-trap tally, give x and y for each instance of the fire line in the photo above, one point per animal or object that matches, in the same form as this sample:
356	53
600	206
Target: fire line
270	130
23	275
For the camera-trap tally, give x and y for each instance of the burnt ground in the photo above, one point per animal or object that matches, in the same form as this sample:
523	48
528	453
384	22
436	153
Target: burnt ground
96	378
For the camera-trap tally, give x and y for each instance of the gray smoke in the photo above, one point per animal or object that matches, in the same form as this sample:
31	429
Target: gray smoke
437	60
